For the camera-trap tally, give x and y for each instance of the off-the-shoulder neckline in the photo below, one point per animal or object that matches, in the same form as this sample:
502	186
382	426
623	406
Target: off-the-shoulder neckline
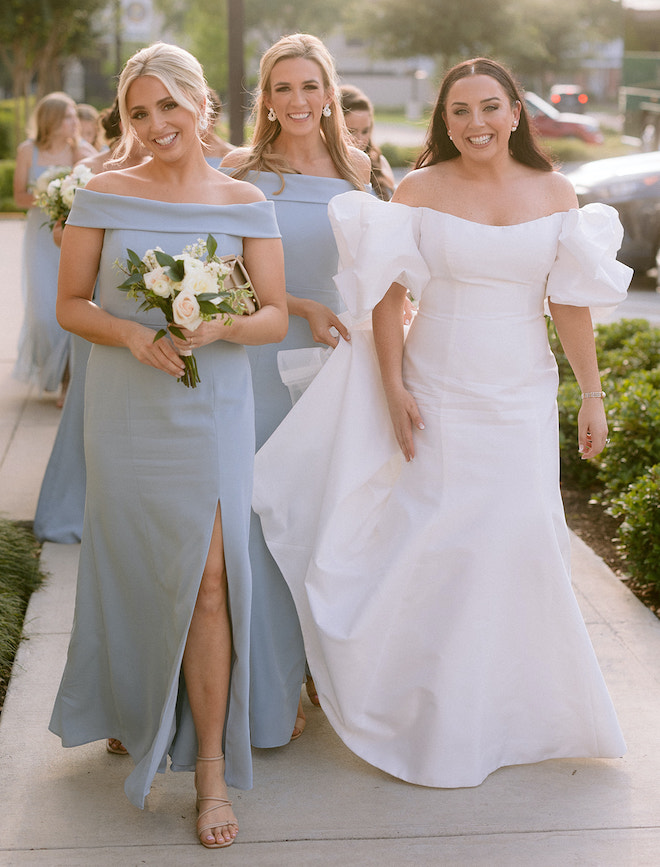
175	204
495	225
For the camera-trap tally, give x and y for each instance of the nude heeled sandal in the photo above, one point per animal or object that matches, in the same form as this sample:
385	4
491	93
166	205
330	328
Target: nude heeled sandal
221	802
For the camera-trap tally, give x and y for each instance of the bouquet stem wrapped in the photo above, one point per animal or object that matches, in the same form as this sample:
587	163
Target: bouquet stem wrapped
192	287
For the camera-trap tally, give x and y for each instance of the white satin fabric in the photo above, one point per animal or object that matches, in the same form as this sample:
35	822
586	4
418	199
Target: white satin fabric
435	598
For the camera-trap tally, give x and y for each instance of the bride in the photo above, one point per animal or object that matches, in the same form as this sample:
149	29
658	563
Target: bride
411	497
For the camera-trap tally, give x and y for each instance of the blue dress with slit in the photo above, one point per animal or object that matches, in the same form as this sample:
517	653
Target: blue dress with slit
160	457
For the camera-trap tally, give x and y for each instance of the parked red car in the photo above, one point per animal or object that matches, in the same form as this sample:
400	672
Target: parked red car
551	123
569	97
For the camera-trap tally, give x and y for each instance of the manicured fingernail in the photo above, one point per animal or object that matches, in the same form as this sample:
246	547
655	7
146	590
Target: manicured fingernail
421	425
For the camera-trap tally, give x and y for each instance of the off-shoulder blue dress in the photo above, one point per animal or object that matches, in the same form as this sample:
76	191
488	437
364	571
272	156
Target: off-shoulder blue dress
160	457
43	347
310	260
61	503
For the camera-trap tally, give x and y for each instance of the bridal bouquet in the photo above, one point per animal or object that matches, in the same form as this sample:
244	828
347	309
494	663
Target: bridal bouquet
55	190
192	287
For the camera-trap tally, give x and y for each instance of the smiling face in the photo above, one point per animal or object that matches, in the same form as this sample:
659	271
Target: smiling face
297	94
479	116
164	127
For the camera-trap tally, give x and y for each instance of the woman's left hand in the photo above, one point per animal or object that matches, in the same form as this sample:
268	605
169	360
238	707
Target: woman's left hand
205	333
592	428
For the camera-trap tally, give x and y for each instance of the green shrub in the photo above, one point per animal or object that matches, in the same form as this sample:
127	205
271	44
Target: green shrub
8	144
613	335
639	534
633	417
7	178
400	157
638	351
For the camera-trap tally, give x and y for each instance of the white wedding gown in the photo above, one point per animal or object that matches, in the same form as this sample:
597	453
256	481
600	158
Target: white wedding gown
435	598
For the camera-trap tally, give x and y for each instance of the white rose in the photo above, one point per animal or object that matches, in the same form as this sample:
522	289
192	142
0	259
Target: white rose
159	282
198	280
83	174
54	187
185	311
68	190
150	259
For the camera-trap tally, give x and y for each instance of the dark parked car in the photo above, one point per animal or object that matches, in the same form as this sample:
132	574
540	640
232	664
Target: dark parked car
558	124
631	184
569	97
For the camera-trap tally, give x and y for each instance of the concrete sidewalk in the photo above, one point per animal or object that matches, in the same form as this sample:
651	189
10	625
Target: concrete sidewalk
313	803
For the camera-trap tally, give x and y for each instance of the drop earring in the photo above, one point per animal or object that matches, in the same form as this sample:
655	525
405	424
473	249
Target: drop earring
449	134
271	114
327	111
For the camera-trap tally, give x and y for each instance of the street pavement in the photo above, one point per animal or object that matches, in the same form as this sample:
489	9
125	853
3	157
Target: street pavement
313	802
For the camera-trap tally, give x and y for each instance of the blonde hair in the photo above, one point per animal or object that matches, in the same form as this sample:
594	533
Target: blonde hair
333	128
179	72
48	116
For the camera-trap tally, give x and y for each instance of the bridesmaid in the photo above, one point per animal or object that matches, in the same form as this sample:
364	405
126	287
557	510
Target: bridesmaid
158	658
61	503
300	158
54	141
359	117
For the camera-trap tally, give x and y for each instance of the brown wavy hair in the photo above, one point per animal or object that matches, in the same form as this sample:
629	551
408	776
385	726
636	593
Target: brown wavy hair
438	147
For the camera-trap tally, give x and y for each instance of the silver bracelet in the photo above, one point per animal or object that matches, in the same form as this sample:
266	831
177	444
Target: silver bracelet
600	394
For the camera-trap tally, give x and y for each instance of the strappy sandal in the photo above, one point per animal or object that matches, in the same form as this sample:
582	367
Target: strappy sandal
220	802
111	747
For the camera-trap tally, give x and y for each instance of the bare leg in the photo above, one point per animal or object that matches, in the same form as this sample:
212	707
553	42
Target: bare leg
206	667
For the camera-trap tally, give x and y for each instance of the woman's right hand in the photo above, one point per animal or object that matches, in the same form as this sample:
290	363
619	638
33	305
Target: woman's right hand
160	354
406	419
321	320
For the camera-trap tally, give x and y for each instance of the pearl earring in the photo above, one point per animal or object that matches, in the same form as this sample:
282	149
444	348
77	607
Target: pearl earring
327	111
514	127
271	114
449	134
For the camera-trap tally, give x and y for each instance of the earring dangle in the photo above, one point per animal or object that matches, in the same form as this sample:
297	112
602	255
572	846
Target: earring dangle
449	134
327	111
514	127
271	114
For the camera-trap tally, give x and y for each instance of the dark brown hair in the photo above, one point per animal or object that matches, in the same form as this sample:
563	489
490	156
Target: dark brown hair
438	147
353	99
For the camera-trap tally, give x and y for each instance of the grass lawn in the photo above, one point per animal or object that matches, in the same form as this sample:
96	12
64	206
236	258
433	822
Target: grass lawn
19	577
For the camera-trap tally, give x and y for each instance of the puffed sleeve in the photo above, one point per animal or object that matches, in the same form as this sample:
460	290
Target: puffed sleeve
378	245
586	272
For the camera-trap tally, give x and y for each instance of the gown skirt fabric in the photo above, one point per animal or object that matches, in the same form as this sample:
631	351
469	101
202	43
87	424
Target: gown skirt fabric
61	503
435	596
310	260
160	458
43	347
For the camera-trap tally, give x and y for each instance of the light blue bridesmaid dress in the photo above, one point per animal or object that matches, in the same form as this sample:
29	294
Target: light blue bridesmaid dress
311	260
61	503
43	347
160	457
